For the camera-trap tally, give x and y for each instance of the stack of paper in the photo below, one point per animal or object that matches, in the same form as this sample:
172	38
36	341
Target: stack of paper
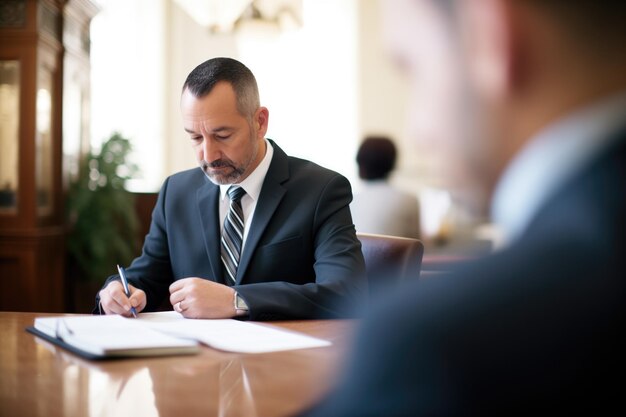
164	333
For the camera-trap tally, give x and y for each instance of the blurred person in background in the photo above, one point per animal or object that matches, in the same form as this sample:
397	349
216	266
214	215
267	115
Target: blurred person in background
526	98
379	207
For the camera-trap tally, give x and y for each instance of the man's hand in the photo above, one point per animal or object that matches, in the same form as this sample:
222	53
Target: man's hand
114	301
202	299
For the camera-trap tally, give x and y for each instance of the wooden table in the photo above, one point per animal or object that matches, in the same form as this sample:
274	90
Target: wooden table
39	379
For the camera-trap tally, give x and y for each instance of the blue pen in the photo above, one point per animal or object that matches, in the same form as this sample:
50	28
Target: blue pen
126	289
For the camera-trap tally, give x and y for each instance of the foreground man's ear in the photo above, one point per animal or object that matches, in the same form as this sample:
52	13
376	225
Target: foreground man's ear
490	33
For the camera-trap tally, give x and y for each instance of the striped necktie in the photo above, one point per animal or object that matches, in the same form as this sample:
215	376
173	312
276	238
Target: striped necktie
232	236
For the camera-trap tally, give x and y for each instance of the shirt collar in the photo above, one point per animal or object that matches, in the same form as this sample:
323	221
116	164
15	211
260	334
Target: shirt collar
549	160
254	182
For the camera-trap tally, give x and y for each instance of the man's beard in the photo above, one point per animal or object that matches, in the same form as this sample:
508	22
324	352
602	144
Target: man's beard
235	173
231	177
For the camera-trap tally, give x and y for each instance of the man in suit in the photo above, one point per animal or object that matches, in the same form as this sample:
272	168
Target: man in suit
253	232
534	100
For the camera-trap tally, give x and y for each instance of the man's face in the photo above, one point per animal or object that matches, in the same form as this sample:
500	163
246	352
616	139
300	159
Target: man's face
443	111
226	143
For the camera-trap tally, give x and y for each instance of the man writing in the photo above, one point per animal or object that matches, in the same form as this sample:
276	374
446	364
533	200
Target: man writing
253	232
528	99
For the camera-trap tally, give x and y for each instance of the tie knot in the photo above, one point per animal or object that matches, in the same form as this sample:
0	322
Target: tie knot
235	193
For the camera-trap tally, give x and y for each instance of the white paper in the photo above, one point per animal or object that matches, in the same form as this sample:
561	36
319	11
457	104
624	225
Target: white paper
230	335
104	335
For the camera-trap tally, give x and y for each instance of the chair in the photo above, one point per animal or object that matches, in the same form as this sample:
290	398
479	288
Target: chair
390	259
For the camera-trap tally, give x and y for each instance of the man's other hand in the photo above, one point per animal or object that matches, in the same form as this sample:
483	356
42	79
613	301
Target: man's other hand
202	299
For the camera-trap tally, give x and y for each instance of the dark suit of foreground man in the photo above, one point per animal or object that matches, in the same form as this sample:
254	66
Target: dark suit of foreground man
300	258
537	328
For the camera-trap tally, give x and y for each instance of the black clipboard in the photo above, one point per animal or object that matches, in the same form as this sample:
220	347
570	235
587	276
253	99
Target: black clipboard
59	342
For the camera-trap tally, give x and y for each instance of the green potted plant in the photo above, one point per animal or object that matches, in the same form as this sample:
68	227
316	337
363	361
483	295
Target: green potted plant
101	217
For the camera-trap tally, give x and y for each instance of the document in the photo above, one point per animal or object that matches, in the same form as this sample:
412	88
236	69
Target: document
164	333
230	335
99	337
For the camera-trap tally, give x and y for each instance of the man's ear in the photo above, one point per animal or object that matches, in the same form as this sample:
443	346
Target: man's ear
261	120
490	33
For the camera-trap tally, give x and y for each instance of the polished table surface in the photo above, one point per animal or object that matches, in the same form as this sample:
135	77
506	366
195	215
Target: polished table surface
39	379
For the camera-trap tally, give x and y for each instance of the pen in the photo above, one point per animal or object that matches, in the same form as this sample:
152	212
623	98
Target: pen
120	269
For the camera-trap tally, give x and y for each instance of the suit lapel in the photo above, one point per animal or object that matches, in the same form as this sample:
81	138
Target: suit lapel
271	195
208	205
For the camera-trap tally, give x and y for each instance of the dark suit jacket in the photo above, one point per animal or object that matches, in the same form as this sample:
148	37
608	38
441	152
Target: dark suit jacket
301	258
534	330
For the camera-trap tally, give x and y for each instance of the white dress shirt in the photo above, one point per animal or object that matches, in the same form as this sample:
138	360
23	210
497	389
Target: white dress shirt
252	185
550	159
382	209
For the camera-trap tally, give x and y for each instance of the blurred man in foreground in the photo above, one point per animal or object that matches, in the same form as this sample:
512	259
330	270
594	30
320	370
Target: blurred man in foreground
526	98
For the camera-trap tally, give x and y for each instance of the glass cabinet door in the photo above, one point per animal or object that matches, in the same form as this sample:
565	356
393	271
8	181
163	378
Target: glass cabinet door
9	134
43	142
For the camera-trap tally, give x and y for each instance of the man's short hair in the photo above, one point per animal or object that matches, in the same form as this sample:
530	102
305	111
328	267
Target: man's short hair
376	158
205	76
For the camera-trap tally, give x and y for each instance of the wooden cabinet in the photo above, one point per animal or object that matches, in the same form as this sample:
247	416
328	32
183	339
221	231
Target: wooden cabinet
32	250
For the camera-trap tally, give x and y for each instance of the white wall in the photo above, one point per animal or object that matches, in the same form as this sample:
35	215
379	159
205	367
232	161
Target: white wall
326	85
127	78
382	95
307	78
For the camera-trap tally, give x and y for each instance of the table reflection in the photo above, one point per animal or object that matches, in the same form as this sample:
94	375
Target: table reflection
121	395
235	390
40	379
121	388
128	388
